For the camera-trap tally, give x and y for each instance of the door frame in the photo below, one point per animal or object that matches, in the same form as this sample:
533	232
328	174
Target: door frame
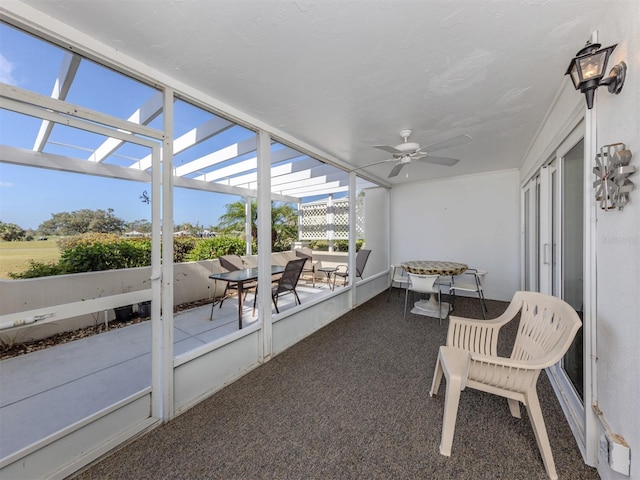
578	412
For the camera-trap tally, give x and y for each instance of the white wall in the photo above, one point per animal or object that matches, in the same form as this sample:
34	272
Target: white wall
472	219
616	382
376	237
618	244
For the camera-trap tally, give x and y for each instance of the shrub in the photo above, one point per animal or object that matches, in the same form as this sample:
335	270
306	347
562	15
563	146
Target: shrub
338	245
73	241
209	248
38	269
181	248
106	256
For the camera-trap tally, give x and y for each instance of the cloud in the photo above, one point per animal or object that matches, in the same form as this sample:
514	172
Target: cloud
6	71
6	184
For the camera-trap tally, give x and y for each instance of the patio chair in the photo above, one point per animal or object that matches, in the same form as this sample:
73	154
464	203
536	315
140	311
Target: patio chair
287	283
426	284
399	278
342	271
546	330
474	285
231	263
309	266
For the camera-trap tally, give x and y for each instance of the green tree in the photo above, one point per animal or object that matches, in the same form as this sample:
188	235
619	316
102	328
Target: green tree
233	220
189	227
284	226
142	226
10	232
284	223
82	221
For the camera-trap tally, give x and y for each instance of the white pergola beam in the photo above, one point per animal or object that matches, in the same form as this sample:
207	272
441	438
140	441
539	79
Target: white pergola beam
312	176
199	134
29	158
232	151
315	180
324	191
309	175
142	116
313	189
19	100
67	73
19	156
243	166
251	164
278	170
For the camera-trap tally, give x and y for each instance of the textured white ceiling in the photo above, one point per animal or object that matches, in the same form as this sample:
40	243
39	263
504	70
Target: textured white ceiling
345	75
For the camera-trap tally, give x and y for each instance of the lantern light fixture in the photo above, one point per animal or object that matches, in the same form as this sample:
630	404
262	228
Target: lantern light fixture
587	71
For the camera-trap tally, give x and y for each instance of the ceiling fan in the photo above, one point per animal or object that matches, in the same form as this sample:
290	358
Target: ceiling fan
407	151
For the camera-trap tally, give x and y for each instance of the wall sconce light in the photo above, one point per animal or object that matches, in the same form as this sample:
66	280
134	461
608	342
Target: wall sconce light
588	67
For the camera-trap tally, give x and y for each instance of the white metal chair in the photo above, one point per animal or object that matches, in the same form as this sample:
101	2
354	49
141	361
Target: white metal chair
475	284
427	284
470	359
399	278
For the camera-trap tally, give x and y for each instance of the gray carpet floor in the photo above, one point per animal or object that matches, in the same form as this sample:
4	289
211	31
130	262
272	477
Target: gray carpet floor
351	402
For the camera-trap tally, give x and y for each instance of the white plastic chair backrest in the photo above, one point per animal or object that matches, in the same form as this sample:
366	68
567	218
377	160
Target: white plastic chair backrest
468	279
547	328
423	283
480	275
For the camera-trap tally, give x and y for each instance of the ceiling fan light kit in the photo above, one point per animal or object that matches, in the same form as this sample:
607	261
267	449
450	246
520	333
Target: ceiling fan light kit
407	151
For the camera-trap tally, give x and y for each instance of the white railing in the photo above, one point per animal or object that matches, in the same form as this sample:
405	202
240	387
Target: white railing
37	308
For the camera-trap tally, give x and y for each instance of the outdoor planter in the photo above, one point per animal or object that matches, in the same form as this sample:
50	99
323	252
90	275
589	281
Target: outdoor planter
144	309
123	313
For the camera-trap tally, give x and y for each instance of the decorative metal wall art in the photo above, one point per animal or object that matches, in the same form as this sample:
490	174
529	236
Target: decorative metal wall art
612	169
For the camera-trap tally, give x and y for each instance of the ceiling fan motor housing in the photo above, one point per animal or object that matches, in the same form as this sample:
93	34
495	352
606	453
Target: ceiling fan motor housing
408	147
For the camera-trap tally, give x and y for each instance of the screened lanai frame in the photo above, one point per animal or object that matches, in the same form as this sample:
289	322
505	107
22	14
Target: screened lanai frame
176	382
305	177
51	109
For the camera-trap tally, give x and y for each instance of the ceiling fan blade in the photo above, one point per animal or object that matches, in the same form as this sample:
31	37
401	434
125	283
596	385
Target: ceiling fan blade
377	163
459	140
447	162
388	149
396	169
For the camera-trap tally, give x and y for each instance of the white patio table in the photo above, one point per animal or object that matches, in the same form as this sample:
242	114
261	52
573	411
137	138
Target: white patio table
433	267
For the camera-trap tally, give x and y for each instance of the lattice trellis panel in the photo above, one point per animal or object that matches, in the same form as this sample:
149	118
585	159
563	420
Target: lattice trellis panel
314	223
360	217
341	220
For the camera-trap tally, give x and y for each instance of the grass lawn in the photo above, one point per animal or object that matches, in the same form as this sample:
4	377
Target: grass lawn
15	256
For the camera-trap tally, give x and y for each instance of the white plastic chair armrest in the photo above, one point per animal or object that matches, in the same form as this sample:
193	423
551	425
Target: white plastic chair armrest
466	287
503	362
491	373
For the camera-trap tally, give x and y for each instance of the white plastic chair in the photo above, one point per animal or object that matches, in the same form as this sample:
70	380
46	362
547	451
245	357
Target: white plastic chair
470	359
474	285
427	284
399	278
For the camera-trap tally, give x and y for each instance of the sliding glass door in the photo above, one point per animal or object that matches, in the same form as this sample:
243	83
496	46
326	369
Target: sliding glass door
553	256
572	271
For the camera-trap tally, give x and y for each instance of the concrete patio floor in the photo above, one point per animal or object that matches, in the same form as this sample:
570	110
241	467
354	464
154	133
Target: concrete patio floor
48	390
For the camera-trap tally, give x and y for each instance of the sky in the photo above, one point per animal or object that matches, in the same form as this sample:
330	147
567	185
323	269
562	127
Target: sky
29	196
